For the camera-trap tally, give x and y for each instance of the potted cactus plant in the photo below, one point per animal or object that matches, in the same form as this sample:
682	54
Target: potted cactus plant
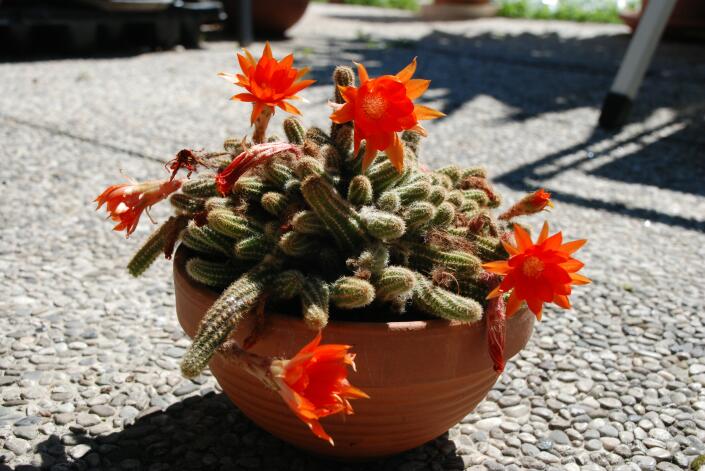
345	235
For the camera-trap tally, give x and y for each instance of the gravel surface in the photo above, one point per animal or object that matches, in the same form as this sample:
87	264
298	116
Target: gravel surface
89	357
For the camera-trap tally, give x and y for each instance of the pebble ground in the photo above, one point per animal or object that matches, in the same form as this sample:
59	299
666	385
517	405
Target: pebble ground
88	356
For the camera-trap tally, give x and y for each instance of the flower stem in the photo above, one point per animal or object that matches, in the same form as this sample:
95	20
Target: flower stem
257	365
261	124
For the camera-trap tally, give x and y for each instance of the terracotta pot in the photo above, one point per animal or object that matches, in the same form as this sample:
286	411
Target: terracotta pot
423	377
688	16
271	18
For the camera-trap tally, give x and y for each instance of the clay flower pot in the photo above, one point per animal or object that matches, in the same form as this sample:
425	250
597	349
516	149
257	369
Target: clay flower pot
687	18
423	377
271	18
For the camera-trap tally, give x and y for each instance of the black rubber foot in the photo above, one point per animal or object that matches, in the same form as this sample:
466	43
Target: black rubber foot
615	111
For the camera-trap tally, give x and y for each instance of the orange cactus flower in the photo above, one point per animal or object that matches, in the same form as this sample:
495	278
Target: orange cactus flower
268	82
125	202
537	273
248	159
529	204
381	107
314	383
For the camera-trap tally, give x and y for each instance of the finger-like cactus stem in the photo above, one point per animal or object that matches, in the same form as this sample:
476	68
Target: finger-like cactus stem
253	248
318	136
187	205
349	292
360	190
383	175
203	187
306	222
411	140
414	191
153	246
205	239
395	282
342	221
224	316
478	196
332	160
382	225
288	284
461	263
233	145
371	261
445	214
277	173
314	303
438	194
442	303
456	198
251	188
474	172
419	214
451	171
389	201
274	203
214	274
308	166
295	244
294	130
226	222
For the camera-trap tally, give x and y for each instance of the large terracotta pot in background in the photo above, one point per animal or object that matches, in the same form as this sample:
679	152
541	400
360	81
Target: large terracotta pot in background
423	377
271	18
687	18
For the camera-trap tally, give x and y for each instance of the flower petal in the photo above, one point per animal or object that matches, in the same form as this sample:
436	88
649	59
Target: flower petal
424	113
362	73
416	87
407	72
395	153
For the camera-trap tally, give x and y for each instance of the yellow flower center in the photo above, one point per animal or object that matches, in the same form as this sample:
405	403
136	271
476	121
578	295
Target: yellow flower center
532	267
374	106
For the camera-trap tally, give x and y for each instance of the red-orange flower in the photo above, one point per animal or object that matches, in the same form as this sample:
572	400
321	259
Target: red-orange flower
248	159
314	383
537	273
126	201
268	82
529	204
380	108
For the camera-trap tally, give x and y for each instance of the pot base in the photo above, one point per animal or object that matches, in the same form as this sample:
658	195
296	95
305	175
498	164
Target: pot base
422	377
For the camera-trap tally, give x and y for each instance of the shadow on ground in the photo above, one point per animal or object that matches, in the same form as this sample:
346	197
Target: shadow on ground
544	75
209	433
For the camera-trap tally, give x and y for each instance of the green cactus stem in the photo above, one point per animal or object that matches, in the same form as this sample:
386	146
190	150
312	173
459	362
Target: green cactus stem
229	224
274	203
461	263
187	205
349	292
382	225
294	130
205	239
295	244
445	214
395	282
225	315
253	248
360	190
315	296
441	303
155	245
214	274
342	221
419	214
306	222
203	187
288	284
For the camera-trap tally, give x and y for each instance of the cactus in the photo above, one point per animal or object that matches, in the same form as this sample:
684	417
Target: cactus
224	316
349	292
315	296
214	274
306	224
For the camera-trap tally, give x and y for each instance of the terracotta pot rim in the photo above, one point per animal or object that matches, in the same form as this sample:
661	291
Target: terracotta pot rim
381	328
